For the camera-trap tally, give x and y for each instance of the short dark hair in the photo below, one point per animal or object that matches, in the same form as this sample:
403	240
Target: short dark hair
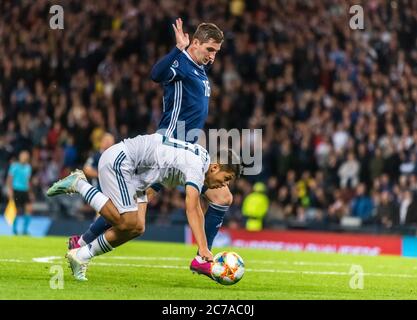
207	31
233	162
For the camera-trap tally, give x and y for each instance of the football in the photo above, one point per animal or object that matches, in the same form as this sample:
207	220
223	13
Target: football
228	268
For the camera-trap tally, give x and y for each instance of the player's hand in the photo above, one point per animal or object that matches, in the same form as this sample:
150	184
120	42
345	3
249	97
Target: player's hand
182	39
205	254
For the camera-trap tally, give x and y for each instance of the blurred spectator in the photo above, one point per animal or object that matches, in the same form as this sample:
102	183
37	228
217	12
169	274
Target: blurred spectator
376	165
338	208
349	172
255	207
361	205
408	209
387	211
70	153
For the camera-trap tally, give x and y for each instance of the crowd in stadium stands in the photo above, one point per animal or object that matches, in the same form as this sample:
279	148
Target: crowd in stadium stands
337	106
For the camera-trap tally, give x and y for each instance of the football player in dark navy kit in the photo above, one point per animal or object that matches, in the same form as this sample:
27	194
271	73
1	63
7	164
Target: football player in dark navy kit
182	73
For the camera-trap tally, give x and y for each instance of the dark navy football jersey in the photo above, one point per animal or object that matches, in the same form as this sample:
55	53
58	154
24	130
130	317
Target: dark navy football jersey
186	99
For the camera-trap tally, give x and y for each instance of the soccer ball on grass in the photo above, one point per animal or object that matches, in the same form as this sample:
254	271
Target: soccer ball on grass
227	268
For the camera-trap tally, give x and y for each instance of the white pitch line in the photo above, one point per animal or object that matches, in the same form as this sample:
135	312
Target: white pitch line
145	258
330	264
301	263
46	259
151	258
13	260
333	273
251	261
137	265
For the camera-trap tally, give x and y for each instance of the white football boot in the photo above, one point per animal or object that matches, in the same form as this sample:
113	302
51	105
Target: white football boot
78	267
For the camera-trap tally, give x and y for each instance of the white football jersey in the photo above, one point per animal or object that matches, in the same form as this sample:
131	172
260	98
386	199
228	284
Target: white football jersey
168	161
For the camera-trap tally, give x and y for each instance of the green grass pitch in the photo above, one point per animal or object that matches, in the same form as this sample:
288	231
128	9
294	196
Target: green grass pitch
154	271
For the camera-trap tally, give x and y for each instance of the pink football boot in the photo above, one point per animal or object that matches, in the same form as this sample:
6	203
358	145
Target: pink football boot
73	242
201	266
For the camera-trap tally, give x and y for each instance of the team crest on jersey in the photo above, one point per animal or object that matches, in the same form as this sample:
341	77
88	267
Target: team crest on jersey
175	64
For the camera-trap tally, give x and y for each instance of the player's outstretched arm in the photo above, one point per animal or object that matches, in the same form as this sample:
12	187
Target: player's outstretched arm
162	70
195	218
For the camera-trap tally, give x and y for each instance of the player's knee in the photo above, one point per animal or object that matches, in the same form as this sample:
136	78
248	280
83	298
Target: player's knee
228	200
139	230
117	220
223	198
134	230
126	226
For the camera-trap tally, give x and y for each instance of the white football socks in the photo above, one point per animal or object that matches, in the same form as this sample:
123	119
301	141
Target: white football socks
81	242
98	247
92	195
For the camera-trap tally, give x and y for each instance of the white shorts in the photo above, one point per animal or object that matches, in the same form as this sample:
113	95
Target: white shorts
117	179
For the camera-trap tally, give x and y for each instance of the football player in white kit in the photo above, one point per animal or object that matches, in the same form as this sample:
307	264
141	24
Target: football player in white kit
133	165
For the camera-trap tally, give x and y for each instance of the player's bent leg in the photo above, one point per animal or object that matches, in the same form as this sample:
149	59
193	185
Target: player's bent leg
125	228
114	173
219	201
79	258
125	231
98	227
141	215
221	196
77	182
111	214
115	203
129	227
